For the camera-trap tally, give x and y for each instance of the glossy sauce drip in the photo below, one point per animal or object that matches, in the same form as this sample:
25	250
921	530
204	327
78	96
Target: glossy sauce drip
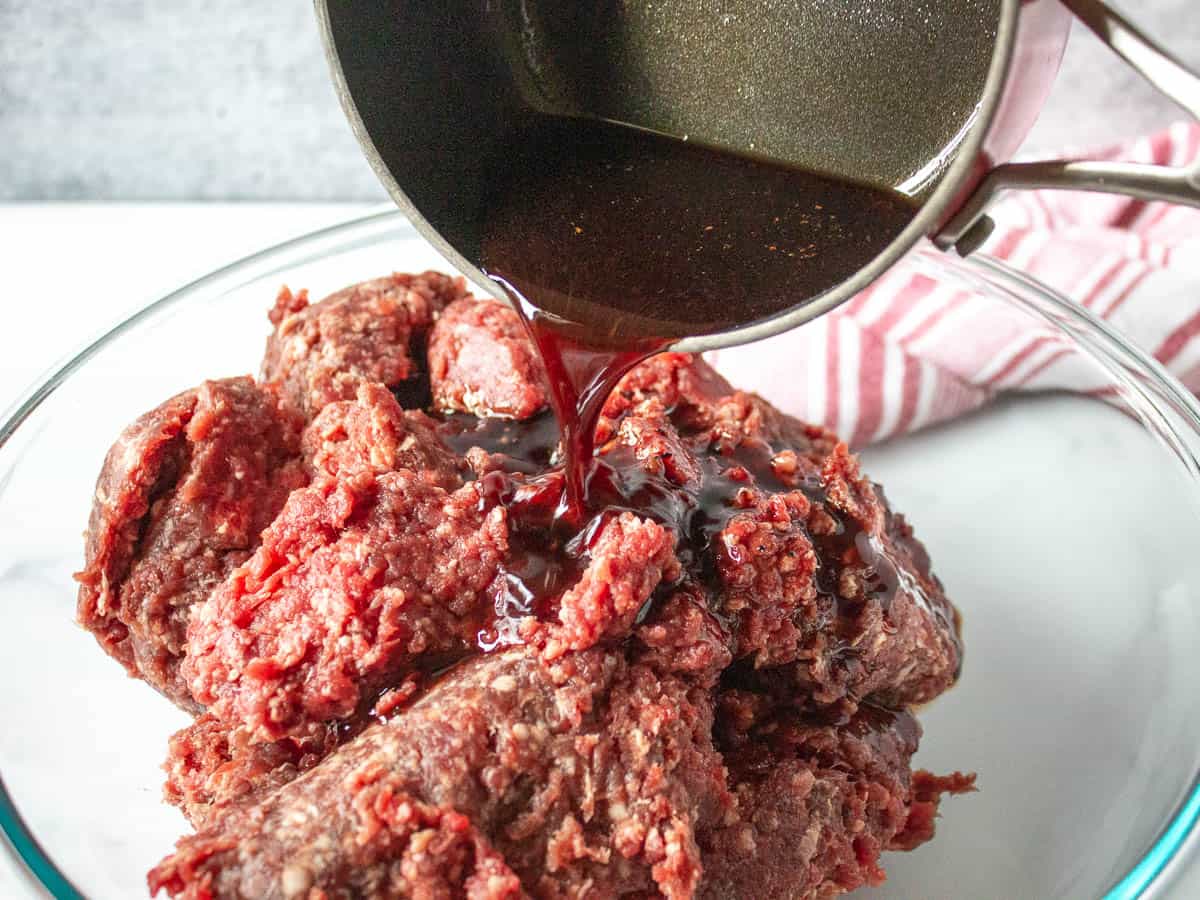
580	378
614	243
548	552
530	446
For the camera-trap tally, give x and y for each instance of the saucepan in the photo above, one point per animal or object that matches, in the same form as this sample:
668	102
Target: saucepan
929	97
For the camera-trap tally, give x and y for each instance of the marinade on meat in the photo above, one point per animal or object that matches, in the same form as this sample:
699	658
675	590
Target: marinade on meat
414	677
825	592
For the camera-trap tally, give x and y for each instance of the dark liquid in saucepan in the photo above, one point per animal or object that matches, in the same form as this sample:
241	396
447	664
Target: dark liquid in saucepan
616	242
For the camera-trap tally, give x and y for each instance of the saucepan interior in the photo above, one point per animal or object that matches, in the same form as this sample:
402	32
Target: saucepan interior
888	92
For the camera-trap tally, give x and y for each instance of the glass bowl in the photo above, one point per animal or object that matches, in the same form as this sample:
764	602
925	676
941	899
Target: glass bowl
1066	528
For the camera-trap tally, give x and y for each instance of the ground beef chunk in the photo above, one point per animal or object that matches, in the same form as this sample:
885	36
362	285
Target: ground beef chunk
767	567
482	362
584	774
211	767
628	558
826	594
681	635
681	383
654	442
739	419
353	582
323	351
418	673
371	434
828	597
180	502
398	847
926	797
816	804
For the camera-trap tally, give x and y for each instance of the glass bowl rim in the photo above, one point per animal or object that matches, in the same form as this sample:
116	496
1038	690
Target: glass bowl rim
1171	850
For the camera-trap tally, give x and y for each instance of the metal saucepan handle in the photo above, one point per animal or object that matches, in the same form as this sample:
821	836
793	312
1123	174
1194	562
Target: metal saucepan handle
969	227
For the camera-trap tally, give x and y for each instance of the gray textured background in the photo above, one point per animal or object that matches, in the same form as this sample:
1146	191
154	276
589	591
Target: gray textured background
229	100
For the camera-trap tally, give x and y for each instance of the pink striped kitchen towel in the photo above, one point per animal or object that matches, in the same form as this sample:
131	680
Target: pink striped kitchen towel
911	351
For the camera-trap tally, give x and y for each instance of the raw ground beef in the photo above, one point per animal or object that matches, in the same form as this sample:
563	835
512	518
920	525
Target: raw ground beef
322	352
211	766
628	559
180	502
583	777
481	362
583	771
413	678
354	582
815	803
371	434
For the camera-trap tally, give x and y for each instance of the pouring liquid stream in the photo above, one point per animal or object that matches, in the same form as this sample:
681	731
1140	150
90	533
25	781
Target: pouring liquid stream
614	243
